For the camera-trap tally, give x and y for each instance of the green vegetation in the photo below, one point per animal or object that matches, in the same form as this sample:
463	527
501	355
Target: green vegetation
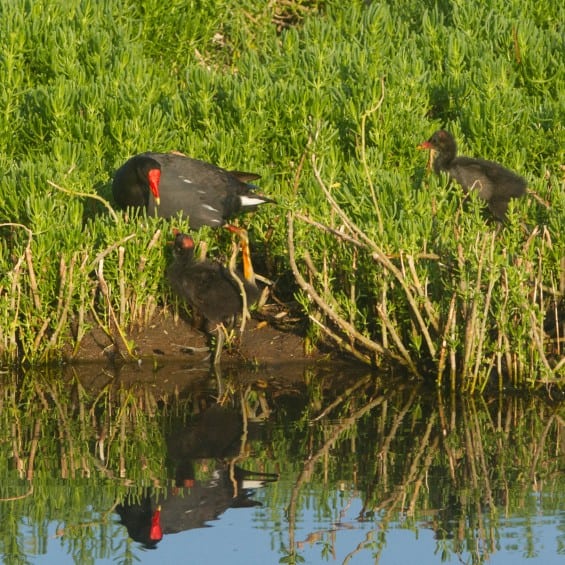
327	101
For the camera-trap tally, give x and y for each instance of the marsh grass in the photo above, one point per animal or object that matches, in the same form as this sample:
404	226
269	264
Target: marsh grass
422	280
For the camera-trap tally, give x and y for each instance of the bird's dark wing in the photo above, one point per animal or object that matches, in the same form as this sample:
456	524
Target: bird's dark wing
245	177
207	194
182	172
508	183
471	175
490	179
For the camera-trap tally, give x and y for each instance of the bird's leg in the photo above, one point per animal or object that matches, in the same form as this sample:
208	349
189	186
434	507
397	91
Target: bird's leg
248	272
217	370
203	251
220	340
235	249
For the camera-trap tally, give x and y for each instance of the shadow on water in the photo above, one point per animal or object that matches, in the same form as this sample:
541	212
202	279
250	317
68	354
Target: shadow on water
329	463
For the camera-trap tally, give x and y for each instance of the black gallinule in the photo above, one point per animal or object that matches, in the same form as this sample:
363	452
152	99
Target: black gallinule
209	288
494	183
169	183
194	503
211	440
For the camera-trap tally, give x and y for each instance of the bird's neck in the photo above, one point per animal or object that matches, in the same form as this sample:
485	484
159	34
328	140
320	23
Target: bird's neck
186	256
443	159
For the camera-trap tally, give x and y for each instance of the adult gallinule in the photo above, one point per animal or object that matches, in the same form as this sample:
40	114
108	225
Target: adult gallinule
211	441
210	288
193	504
494	183
169	183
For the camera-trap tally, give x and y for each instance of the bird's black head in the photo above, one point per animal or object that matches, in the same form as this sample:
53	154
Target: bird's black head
441	141
183	244
142	521
443	148
144	163
149	172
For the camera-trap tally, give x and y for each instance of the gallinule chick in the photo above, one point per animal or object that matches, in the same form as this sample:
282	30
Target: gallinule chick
169	183
209	287
495	184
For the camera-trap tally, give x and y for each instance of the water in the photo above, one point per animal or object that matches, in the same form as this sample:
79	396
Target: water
252	537
331	466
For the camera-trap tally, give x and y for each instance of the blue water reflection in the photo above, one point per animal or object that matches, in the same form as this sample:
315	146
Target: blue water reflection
256	536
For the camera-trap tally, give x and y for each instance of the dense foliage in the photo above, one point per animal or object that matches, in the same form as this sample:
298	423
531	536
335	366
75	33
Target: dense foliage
327	101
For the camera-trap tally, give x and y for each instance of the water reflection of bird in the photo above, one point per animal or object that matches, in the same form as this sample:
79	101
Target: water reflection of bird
142	521
210	288
169	183
191	502
494	183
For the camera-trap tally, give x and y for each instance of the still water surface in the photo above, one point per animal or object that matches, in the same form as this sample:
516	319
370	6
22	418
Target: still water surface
326	468
251	536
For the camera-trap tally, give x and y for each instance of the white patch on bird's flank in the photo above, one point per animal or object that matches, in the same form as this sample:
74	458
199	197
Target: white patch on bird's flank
251	201
208	207
215	221
201	191
252	484
187	181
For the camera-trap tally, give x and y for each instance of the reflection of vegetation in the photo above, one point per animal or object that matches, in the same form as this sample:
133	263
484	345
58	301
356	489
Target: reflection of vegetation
98	441
109	444
449	465
71	453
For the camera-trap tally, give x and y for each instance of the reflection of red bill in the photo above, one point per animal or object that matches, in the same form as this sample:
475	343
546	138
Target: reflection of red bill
156	532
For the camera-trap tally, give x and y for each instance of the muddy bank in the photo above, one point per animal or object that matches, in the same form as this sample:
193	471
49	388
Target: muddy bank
272	348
